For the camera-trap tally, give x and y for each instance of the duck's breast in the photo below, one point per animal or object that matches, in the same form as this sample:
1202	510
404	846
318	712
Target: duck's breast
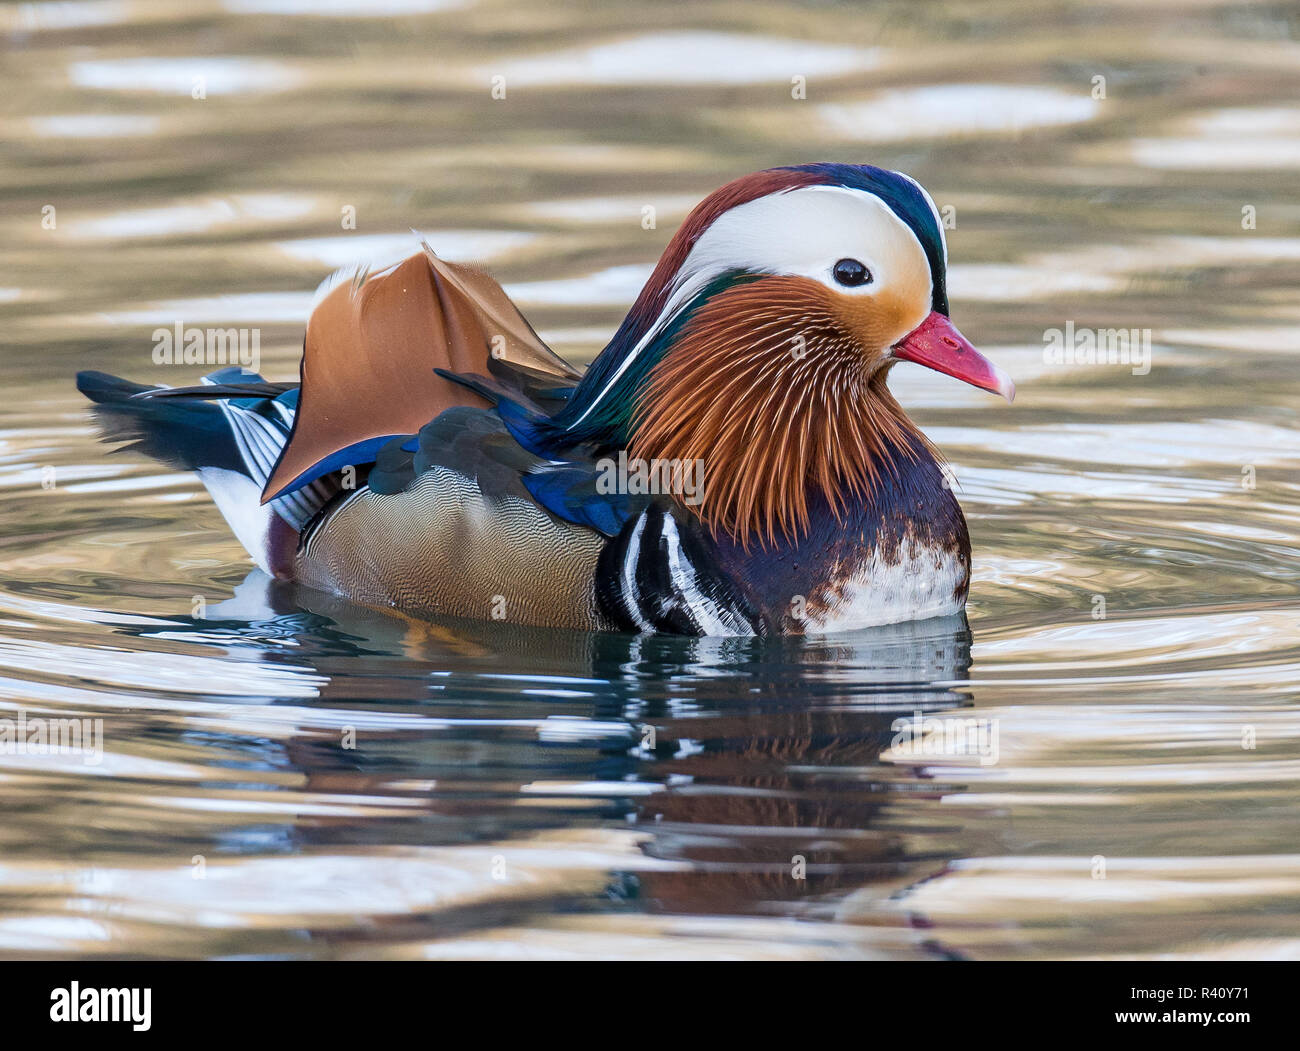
919	581
901	554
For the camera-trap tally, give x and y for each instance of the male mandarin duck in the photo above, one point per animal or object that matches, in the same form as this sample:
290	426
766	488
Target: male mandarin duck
438	458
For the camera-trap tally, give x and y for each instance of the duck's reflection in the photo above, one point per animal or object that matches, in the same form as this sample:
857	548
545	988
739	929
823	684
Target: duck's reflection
753	763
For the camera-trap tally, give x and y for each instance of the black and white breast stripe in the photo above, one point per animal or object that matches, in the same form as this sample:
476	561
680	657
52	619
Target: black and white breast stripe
658	574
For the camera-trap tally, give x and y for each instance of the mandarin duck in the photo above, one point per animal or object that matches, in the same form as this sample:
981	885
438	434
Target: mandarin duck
732	463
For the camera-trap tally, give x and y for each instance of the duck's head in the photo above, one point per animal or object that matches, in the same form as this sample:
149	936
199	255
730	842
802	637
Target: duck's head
762	341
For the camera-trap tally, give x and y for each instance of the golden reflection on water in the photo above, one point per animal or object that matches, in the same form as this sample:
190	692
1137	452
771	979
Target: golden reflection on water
503	794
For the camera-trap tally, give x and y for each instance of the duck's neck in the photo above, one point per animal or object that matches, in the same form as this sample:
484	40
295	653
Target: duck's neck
781	411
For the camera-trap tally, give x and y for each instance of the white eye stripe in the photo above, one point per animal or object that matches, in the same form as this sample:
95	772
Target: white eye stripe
801	232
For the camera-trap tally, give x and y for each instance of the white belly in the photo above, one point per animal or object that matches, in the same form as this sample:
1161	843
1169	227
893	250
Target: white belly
923	582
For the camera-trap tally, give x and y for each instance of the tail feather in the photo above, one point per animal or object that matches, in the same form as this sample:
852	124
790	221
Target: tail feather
183	434
230	431
208	391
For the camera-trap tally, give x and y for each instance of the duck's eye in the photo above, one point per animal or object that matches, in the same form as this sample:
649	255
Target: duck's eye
851	273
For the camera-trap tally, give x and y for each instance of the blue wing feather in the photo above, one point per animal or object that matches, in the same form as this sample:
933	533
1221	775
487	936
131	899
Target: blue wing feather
570	491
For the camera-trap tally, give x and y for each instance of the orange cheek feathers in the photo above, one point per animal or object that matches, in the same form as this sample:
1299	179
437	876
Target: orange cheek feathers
880	320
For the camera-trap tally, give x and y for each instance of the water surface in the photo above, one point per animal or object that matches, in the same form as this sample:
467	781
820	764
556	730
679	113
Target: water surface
286	775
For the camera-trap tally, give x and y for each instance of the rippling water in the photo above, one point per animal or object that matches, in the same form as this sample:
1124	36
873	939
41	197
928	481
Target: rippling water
286	775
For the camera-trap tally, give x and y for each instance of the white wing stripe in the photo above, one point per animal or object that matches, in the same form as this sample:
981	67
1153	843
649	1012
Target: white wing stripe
259	441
